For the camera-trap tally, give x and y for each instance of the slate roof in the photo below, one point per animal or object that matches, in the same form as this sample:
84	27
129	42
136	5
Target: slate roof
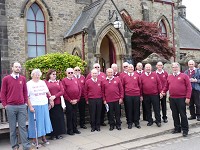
189	35
85	18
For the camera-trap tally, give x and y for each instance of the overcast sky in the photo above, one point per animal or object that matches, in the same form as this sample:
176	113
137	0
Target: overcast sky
193	11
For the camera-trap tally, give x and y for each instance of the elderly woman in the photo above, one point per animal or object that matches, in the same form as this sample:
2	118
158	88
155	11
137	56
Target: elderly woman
38	104
56	113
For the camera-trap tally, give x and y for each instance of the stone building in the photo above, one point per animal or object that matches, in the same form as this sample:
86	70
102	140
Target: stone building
30	28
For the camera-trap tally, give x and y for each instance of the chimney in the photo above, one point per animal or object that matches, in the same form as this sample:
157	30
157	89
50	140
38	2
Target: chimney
182	11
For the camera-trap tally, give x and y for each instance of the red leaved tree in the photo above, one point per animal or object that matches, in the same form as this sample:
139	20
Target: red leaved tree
146	39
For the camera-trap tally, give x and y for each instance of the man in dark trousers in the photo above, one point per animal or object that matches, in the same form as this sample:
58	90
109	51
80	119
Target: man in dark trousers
194	75
163	79
72	94
131	84
180	89
14	99
82	102
151	88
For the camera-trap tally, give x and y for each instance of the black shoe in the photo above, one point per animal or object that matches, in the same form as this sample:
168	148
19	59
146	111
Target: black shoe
52	138
137	126
70	133
59	137
118	127
176	131
165	120
83	127
149	123
130	126
191	118
77	132
158	124
185	133
98	129
111	128
92	130
103	124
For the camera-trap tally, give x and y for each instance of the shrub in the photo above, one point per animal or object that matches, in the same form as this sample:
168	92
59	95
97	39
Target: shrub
58	61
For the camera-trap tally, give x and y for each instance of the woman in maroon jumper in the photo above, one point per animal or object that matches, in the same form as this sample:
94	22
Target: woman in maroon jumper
56	112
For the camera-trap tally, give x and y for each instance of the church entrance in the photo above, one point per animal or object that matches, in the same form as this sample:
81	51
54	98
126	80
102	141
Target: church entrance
107	54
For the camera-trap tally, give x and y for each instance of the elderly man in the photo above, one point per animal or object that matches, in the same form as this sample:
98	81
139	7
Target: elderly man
180	89
72	94
14	97
139	68
82	103
113	96
125	70
163	79
194	75
115	70
93	96
131	84
151	88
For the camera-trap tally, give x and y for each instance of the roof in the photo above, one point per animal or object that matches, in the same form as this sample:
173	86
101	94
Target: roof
85	19
189	35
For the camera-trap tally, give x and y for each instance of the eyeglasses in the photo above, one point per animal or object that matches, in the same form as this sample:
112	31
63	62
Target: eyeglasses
70	73
77	70
54	74
96	67
125	66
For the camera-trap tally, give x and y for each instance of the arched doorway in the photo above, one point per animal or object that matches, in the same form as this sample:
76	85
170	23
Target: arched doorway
108	54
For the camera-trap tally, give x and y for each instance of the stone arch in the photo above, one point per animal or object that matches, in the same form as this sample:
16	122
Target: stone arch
77	52
166	23
42	5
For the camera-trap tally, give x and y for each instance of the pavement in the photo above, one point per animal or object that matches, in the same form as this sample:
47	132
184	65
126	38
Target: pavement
109	140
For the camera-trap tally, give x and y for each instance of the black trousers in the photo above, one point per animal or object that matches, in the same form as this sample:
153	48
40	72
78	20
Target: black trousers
114	112
95	106
144	113
103	112
149	101
195	103
71	114
132	106
178	108
164	107
81	107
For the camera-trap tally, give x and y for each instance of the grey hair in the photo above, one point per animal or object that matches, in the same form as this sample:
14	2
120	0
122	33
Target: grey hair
113	65
36	71
176	63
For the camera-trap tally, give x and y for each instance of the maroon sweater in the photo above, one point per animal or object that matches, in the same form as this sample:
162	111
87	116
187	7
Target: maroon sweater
163	78
150	85
93	89
138	73
131	85
56	89
81	82
14	91
71	89
121	75
101	76
112	90
179	86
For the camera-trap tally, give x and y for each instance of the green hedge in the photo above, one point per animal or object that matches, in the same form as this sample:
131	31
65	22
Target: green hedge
58	61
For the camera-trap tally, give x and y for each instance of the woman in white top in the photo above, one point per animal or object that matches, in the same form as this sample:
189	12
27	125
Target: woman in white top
38	104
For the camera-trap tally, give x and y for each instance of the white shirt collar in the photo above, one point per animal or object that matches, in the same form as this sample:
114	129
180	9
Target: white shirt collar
77	76
147	74
110	78
192	69
125	72
159	72
176	73
52	80
139	71
14	76
131	74
94	80
69	78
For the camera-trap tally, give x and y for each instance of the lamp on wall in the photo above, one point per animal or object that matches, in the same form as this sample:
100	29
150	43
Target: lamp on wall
117	24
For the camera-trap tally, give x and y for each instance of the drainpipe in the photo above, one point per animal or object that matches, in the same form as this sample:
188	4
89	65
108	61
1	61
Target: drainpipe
83	45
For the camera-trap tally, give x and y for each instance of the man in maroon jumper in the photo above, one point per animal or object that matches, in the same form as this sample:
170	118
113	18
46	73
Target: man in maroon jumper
93	96
180	89
72	94
14	99
115	70
163	79
81	103
113	96
131	84
125	70
151	88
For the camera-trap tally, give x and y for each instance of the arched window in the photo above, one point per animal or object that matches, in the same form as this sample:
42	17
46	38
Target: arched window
163	30
36	31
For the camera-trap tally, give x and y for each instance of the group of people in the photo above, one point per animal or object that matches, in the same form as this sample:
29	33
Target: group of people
103	93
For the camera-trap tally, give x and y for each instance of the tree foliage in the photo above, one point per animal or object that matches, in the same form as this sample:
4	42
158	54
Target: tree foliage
146	39
58	61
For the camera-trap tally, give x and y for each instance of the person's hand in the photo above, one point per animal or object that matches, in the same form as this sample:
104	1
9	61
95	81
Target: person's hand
193	80
52	98
120	101
32	109
187	101
87	102
141	98
161	95
52	104
104	102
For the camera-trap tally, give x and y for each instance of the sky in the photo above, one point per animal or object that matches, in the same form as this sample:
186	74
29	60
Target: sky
193	11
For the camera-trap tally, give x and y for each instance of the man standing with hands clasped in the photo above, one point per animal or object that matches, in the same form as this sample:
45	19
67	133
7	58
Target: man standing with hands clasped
14	98
180	90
